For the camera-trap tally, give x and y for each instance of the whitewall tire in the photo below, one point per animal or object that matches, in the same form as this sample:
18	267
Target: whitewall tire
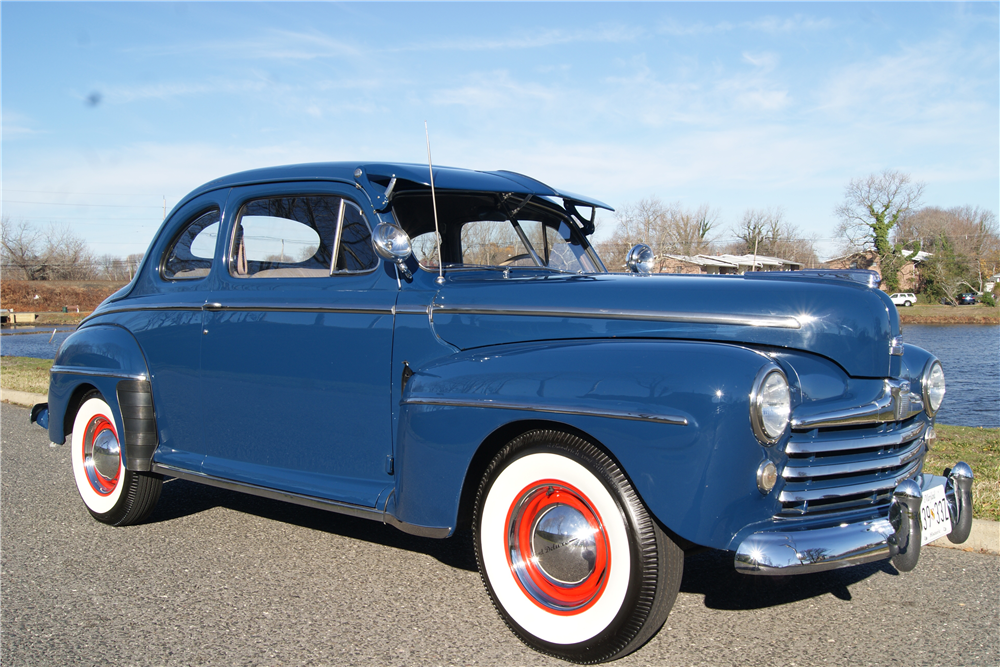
571	558
111	493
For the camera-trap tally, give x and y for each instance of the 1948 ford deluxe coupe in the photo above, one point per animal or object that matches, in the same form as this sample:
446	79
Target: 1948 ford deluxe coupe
304	333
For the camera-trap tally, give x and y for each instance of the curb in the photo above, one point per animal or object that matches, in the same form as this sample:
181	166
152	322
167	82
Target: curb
25	398
985	535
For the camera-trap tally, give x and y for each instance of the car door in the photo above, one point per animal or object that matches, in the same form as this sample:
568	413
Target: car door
296	347
165	316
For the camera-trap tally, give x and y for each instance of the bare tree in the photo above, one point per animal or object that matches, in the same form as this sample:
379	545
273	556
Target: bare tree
67	255
666	229
57	254
872	207
21	245
640	222
766	232
687	231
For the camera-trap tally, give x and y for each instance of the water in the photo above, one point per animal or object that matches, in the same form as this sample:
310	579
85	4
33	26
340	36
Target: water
970	355
21	342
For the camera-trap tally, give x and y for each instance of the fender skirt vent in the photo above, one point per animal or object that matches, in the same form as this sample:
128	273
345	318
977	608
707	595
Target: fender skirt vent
136	403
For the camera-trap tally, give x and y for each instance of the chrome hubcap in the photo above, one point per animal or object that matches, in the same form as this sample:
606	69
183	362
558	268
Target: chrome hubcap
557	546
101	455
563	545
106	454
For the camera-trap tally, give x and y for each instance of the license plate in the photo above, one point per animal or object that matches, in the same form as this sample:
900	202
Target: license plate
935	521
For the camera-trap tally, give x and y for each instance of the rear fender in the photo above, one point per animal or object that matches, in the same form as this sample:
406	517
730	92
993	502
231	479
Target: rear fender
106	358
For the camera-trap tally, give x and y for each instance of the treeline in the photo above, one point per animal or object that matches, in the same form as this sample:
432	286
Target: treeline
672	229
882	225
55	253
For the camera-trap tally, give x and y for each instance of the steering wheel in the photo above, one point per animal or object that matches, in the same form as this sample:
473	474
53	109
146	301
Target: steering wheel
515	258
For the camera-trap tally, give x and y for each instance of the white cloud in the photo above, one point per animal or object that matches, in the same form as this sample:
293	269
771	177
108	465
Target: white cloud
765	61
531	39
17	125
797	23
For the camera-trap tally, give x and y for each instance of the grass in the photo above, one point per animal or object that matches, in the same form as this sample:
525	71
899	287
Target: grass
979	447
938	314
25	374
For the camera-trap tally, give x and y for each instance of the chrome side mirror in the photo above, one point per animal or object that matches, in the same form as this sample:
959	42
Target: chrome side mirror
393	244
640	259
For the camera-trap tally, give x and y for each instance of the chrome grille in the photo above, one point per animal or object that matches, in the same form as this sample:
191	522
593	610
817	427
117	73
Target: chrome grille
842	469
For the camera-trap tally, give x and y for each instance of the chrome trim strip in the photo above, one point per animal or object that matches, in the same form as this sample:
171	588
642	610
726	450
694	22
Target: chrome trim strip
824	446
895	404
797	470
137	308
550	409
410	310
359	511
642	315
305	308
259	307
833	492
99	372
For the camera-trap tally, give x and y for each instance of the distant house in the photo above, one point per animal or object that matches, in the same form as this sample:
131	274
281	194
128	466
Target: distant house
909	274
733	264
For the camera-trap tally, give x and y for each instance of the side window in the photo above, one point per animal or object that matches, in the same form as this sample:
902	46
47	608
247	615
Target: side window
190	255
300	237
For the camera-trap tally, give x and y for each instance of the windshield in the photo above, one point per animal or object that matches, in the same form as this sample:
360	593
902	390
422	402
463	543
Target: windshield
494	230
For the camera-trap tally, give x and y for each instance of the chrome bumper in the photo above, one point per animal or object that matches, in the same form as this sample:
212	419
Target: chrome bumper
896	536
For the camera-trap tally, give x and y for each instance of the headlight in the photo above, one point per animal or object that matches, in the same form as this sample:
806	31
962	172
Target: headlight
770	404
933	386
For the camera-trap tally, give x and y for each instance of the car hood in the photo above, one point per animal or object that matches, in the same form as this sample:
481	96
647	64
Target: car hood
849	323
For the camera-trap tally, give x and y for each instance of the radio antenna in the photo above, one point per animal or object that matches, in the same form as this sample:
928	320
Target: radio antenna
437	230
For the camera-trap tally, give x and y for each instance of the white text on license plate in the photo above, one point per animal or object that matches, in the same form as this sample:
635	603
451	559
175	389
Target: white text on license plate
935	520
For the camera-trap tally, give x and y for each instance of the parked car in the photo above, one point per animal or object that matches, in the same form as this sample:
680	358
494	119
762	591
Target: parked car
304	333
903	299
968	299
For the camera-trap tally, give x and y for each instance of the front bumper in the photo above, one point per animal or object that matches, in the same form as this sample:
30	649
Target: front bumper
896	536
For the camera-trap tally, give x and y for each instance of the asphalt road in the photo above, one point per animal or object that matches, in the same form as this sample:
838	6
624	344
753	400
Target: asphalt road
220	578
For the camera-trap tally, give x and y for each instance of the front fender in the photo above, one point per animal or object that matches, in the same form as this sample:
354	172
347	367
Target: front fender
107	358
674	414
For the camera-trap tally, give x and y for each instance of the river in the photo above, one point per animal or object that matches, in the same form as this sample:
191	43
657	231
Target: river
970	355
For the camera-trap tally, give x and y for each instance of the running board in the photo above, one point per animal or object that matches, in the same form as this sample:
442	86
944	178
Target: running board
371	513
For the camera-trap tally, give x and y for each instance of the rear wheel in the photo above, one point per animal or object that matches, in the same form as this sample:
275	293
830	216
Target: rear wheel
112	494
907	303
572	560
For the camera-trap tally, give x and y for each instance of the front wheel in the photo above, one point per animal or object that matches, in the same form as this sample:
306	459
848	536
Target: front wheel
112	494
572	560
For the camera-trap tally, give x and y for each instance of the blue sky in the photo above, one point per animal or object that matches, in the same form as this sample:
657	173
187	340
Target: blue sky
108	108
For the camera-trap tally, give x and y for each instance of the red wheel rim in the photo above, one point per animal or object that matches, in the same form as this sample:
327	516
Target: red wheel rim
557	547
100	447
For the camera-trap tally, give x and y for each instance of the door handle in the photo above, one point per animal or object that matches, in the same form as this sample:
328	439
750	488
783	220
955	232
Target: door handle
213	307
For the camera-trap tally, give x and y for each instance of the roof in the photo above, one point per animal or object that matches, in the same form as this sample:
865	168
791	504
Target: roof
376	176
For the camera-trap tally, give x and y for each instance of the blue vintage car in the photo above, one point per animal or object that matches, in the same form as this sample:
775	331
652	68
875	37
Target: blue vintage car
449	353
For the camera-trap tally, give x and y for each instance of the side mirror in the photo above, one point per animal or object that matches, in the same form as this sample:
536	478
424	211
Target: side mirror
393	244
640	259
